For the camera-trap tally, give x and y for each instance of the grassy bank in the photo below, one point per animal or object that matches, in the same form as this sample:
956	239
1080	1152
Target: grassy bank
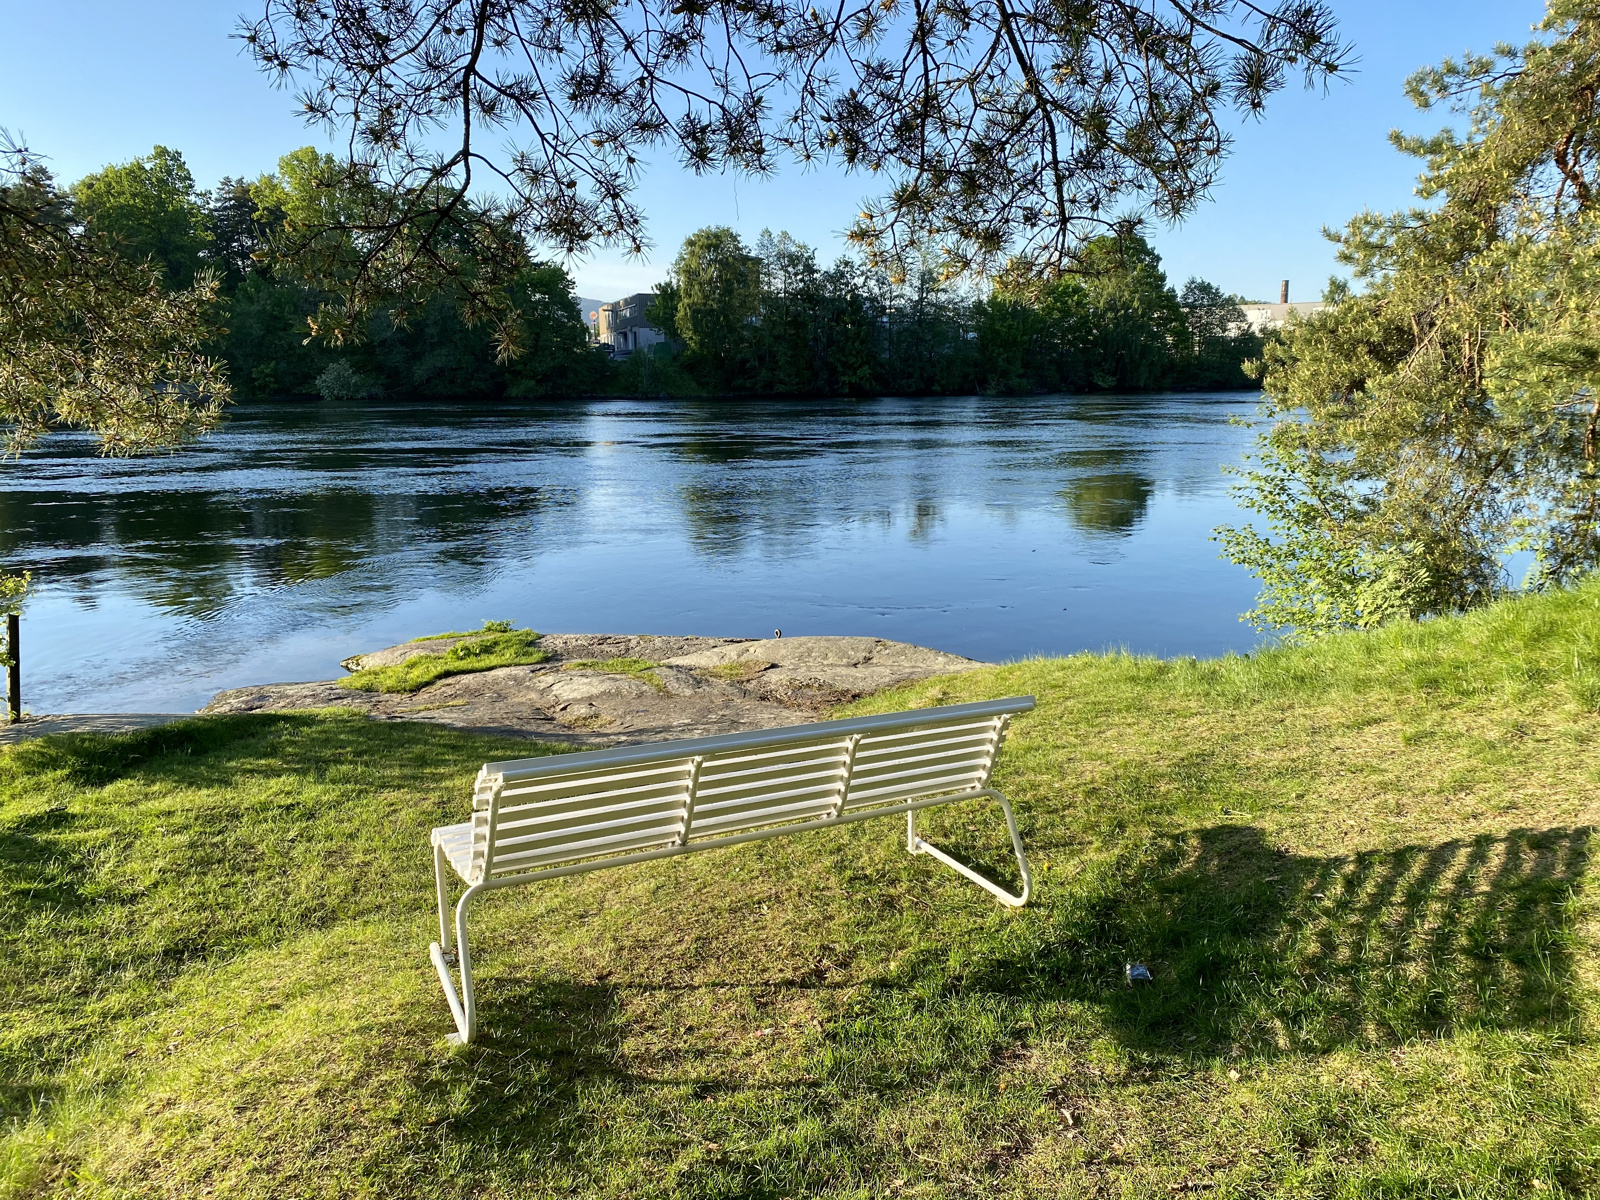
1358	872
495	645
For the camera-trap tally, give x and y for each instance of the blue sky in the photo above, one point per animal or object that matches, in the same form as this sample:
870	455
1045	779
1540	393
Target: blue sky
94	81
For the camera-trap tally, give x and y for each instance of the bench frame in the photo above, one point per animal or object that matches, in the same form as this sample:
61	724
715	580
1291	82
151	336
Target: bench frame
451	950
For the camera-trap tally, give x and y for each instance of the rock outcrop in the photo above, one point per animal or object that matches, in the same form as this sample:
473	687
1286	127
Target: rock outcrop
697	686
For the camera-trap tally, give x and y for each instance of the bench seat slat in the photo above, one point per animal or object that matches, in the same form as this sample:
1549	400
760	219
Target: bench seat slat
515	859
594	781
456	841
808	773
575	832
916	771
888	767
926	777
912	788
565	824
737	822
929	737
765	797
759	813
964	766
958	715
593	802
512	864
888	795
869	752
713	773
887	745
760	787
733	760
908	759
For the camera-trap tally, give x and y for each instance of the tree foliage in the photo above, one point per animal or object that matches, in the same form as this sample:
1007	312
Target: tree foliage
150	210
775	321
718	292
94	332
1449	413
996	127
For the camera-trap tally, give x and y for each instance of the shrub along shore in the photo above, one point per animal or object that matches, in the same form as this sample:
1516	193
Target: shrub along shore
1358	872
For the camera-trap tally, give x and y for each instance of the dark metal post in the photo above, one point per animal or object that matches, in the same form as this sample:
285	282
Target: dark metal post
14	670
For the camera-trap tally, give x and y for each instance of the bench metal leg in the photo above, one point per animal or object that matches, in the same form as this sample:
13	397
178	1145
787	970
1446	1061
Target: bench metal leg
463	1007
916	845
441	891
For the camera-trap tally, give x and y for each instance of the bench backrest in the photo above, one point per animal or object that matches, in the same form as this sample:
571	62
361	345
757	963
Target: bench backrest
533	814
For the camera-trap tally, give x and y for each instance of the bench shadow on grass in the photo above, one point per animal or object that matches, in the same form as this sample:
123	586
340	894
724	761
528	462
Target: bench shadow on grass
549	1071
1266	952
1253	950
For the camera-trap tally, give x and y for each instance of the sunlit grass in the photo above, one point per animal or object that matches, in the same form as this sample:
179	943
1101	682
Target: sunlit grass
637	668
737	671
488	627
482	652
1359	874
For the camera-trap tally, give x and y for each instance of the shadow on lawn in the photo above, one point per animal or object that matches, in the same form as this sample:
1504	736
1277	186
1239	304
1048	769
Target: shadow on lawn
1266	951
1252	950
549	1070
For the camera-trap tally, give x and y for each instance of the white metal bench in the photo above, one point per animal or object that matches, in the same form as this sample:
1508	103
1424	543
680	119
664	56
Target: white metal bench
565	814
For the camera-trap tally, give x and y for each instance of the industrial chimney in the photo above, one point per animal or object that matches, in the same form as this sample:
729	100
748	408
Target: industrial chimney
1283	293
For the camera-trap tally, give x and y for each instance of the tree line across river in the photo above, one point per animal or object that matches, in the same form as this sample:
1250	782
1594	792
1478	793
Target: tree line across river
768	319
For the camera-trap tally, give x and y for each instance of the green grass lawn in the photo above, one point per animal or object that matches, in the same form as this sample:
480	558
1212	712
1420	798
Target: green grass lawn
1358	872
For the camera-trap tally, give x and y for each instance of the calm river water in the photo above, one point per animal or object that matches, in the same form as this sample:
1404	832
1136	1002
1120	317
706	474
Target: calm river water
306	532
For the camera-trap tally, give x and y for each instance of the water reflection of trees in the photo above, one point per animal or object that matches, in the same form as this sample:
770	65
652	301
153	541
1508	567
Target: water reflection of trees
195	552
1108	494
926	517
1109	504
722	518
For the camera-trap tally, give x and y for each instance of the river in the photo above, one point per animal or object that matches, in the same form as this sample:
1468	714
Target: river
304	532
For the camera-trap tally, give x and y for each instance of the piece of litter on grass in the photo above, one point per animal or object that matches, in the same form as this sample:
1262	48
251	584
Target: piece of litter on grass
1233	1075
1138	973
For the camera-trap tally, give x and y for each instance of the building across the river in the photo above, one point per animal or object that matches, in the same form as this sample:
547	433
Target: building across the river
622	325
1262	317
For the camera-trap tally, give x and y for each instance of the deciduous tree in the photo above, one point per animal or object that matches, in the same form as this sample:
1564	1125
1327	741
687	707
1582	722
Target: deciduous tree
90	338
150	210
719	293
